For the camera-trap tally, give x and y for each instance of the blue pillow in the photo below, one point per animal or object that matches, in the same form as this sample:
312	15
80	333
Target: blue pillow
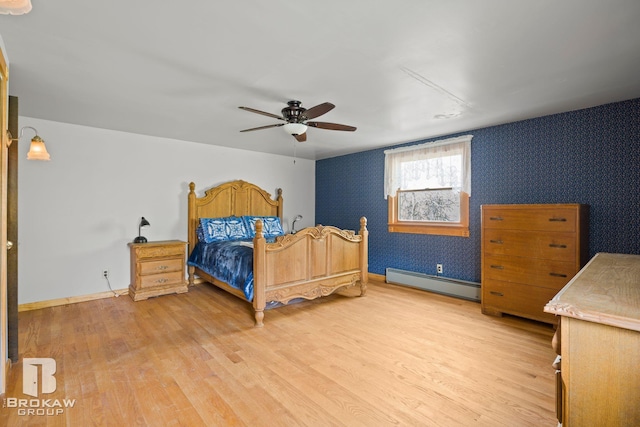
271	226
236	229
213	230
222	229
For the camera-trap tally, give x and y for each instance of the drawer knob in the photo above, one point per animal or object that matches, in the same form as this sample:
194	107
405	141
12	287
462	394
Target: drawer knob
555	219
555	245
497	242
163	280
495	218
557	275
496	293
163	267
498	267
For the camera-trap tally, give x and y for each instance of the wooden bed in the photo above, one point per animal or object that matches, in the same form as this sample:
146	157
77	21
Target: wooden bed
314	262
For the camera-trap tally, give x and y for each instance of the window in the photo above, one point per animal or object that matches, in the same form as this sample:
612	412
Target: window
428	186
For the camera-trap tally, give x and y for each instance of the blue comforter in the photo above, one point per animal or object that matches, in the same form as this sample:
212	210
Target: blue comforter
230	262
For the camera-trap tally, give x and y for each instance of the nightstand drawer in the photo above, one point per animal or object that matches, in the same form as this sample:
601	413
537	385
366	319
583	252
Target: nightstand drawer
164	279
152	250
162	266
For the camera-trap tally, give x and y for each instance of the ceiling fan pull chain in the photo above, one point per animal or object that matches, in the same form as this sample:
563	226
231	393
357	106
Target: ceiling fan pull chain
294	152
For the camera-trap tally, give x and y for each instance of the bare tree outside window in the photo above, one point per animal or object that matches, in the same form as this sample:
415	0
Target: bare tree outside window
440	205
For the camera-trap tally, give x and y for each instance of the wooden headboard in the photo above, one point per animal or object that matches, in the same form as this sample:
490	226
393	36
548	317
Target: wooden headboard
235	198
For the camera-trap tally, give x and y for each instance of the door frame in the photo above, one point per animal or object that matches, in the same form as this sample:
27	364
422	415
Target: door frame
4	102
12	233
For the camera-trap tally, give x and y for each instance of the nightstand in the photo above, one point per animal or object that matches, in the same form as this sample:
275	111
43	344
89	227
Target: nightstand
157	268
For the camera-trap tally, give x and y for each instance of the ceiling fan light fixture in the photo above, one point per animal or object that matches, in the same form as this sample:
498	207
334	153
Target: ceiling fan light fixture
295	128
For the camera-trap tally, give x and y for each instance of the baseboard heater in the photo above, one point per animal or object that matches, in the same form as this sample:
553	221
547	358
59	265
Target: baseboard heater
442	285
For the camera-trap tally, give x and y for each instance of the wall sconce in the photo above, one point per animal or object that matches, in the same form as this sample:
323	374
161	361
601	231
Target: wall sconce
15	7
37	150
293	226
143	224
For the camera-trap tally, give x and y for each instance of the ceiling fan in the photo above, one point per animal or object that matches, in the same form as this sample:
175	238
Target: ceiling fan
296	118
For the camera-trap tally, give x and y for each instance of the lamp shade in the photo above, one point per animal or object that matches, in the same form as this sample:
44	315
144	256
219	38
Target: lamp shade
37	150
295	128
15	7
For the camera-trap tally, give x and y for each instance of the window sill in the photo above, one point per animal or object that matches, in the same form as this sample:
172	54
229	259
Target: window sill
436	229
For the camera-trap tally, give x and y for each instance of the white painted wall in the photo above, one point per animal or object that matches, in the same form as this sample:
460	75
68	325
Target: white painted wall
78	212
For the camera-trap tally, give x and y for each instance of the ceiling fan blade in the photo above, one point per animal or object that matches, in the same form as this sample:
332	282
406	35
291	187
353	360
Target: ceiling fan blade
301	137
318	110
331	126
263	127
264	113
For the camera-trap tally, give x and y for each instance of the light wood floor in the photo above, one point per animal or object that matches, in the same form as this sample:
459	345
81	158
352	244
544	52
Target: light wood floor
398	356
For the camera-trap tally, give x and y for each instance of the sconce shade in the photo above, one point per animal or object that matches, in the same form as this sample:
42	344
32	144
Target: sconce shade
15	7
38	151
143	224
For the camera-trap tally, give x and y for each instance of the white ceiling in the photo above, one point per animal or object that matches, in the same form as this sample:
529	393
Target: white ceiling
399	71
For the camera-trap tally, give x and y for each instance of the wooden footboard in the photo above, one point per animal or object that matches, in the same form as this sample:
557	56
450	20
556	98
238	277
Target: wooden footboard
314	262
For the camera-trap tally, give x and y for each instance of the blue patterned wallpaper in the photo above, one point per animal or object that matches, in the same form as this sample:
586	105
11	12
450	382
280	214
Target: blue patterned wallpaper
589	156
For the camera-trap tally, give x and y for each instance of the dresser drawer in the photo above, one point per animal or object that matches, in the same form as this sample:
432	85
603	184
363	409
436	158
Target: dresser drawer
545	273
161	266
520	300
542	219
164	279
537	244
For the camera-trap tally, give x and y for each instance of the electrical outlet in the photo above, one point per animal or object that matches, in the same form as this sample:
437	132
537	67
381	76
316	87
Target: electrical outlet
105	274
439	268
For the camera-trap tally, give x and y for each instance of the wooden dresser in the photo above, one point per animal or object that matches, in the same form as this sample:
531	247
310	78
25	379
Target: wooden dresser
529	252
157	268
599	329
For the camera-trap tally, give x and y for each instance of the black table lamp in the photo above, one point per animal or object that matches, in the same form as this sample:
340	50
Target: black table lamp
143	224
